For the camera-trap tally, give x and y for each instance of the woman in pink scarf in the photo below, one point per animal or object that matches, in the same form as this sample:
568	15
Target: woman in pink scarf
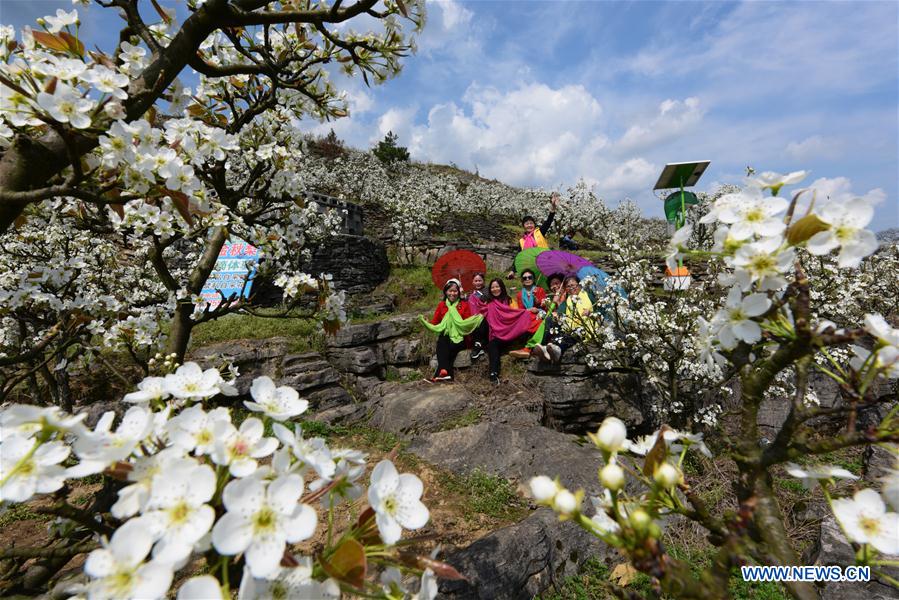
507	323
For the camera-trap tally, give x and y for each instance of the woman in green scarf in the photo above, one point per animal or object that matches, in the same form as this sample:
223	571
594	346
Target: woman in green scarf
452	321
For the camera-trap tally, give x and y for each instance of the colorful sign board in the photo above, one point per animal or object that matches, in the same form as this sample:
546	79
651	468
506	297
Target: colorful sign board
233	274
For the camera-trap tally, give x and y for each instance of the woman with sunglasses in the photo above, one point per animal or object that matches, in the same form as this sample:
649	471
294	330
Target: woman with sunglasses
530	298
531	295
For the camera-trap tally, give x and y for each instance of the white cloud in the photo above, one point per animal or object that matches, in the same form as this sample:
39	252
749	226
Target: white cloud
397	120
451	31
631	175
839	189
814	147
674	117
529	135
452	14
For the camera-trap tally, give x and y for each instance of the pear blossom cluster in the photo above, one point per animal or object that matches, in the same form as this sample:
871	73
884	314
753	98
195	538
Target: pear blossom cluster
622	517
194	481
865	517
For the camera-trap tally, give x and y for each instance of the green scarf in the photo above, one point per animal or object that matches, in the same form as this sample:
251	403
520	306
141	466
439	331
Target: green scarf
453	325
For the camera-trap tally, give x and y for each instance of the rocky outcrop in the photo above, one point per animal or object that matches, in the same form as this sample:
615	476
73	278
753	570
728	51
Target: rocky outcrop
357	264
512	452
368	348
409	411
577	399
308	373
522	560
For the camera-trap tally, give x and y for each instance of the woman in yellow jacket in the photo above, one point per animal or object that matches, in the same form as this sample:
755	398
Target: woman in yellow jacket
533	236
576	308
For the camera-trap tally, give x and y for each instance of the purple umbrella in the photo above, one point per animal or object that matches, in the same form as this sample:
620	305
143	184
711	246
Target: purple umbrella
556	261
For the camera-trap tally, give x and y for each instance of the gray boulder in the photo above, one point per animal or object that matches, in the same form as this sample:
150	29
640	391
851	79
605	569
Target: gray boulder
420	408
577	399
308	373
522	560
512	452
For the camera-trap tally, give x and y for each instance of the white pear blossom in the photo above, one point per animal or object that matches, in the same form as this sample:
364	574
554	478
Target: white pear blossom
190	382
287	582
866	521
612	434
28	467
543	489
118	569
847	232
150	389
735	319
193	429
204	587
396	501
238	449
279	403
27	419
177	512
877	326
261	519
601	520
65	105
750	214
311	453
144	471
811	475
775	181
427	589
611	476
763	262
101	447
61	20
108	81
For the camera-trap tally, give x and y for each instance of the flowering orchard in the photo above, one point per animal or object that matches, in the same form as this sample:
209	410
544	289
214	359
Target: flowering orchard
767	323
119	184
184	489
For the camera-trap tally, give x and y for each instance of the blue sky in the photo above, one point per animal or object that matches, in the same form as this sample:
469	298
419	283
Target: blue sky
541	93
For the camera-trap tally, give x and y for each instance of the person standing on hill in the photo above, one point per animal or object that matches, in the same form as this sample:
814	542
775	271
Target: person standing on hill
533	236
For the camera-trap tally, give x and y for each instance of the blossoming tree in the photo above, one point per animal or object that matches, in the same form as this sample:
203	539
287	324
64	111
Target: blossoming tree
183	486
114	153
766	325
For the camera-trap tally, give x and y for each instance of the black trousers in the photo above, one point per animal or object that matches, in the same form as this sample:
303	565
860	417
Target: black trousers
446	353
480	335
495	349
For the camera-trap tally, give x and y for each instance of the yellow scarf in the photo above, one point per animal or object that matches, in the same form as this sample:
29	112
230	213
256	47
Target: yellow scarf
538	239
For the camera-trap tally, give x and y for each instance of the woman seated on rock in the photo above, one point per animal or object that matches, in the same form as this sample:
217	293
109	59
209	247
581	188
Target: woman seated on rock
480	335
531	295
452	321
552	307
575	308
507	324
530	298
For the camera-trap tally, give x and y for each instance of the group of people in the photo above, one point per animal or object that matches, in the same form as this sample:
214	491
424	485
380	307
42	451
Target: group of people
487	320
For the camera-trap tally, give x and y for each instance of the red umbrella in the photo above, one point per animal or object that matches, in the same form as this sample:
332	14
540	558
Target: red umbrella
458	264
557	261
